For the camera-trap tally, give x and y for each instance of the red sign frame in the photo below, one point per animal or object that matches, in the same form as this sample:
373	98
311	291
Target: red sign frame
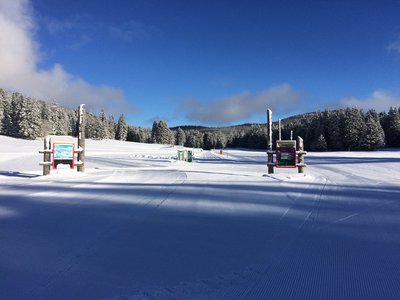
63	152
286	154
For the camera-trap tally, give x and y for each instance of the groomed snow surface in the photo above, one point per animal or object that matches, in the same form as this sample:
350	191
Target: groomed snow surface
140	225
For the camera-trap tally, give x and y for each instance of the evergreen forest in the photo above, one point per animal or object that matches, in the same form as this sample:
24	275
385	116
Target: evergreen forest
347	129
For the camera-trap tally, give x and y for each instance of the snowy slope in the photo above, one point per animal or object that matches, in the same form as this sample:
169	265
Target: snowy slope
140	225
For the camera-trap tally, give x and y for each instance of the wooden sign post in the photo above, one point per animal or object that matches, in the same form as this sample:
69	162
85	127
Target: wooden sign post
46	163
270	152
269	122
300	155
64	153
289	154
81	139
279	130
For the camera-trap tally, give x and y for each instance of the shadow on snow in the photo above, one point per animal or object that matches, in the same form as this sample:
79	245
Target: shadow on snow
105	239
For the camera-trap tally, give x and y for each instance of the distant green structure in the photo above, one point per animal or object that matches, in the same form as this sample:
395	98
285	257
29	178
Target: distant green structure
190	156
185	155
181	155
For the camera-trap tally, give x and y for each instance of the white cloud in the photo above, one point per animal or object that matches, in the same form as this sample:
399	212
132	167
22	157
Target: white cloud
82	41
19	58
132	30
380	100
85	24
281	99
57	26
394	47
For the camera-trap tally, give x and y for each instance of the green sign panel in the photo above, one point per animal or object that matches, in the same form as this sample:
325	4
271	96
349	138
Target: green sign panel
286	154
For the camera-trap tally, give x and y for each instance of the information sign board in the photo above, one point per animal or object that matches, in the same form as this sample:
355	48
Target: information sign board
63	153
286	154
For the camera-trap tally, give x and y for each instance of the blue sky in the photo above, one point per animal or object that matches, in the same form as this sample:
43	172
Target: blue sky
203	62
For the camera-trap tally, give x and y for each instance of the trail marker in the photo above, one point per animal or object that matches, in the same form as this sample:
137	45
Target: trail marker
64	153
288	153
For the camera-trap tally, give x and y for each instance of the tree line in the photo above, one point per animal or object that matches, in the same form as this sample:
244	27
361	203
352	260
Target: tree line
329	130
346	129
28	118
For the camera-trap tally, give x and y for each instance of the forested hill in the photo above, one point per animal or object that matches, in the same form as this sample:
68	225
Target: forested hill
346	129
333	130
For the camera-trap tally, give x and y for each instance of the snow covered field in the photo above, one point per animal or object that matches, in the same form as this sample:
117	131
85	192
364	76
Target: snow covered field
140	225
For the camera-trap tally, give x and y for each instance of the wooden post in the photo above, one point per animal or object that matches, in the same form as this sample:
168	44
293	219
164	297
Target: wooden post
81	138
269	121
46	155
300	144
270	162
280	130
46	163
301	153
270	153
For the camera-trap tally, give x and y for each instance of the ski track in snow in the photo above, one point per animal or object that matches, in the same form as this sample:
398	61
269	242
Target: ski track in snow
139	225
